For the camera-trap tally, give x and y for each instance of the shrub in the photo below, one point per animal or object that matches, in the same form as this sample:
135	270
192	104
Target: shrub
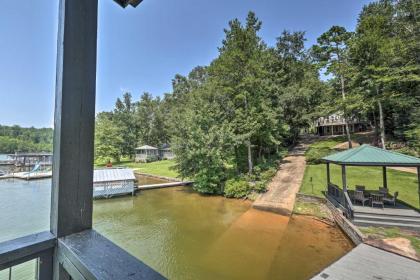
237	188
268	174
260	187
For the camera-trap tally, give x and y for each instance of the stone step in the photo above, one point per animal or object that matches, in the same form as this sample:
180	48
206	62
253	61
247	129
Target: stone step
367	223
386	218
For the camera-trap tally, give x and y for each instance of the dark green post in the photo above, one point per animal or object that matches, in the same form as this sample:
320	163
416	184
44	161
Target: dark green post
328	173
343	176
418	182
384	177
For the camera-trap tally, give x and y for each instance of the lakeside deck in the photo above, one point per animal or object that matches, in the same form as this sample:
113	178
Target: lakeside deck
28	175
367	262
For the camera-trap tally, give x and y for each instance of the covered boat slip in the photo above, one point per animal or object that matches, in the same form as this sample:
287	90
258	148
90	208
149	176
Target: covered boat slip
372	205
112	182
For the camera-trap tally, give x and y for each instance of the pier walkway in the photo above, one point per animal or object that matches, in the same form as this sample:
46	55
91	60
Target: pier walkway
367	262
281	194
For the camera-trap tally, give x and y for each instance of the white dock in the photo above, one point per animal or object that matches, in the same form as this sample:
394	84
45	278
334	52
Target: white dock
164	185
28	175
367	262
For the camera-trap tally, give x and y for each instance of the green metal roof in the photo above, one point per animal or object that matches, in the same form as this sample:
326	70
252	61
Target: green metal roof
367	155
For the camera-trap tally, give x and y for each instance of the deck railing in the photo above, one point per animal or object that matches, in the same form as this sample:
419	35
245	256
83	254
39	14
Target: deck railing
342	198
81	256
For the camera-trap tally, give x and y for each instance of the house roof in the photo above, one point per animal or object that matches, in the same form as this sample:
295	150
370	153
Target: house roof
367	155
113	174
146	147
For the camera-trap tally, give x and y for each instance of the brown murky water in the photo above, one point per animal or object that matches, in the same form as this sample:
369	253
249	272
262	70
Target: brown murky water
184	235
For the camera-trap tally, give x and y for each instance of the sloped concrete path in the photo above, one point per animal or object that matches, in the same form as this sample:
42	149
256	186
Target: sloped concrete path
281	194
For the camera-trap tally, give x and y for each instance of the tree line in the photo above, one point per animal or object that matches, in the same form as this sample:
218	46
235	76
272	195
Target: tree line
19	139
229	121
376	69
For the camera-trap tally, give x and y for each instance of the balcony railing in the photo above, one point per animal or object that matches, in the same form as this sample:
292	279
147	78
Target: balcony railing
72	250
84	255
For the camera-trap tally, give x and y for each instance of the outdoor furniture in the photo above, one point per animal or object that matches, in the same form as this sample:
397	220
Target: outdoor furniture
360	196
360	188
392	199
383	191
377	199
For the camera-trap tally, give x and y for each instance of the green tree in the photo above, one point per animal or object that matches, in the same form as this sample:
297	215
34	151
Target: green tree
124	118
108	138
239	73
331	53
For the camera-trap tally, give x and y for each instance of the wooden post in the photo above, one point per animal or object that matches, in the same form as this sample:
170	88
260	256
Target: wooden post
384	177
343	177
328	173
74	120
344	180
418	182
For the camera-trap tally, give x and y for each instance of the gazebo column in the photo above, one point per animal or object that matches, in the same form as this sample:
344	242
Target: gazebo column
328	173
418	181
344	179
343	176
384	177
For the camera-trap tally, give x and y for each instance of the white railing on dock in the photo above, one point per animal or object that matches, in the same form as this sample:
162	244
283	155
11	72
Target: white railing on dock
109	189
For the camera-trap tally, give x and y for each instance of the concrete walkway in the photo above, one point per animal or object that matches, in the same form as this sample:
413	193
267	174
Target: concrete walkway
281	194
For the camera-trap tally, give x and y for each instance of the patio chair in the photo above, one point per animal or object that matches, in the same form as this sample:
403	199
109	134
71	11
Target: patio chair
383	191
377	199
392	199
360	188
360	196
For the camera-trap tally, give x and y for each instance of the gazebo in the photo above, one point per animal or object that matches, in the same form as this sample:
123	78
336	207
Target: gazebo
367	155
147	153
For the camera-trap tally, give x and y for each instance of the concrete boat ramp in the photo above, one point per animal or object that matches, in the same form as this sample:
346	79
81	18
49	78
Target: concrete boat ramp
281	193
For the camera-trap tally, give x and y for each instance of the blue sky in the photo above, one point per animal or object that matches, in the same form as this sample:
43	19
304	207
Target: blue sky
138	49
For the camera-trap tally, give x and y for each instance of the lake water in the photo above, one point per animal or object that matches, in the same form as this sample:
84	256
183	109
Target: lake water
184	235
3	157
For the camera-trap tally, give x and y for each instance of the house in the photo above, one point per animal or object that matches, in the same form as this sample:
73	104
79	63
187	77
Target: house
146	153
165	152
113	181
334	124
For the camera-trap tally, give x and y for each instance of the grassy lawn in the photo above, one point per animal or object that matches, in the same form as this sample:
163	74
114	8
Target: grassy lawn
371	177
311	209
160	168
381	233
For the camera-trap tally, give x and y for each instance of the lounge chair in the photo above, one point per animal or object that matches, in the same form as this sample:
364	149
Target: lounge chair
377	199
360	196
392	199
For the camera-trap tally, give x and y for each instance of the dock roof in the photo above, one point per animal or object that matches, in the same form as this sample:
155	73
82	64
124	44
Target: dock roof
112	175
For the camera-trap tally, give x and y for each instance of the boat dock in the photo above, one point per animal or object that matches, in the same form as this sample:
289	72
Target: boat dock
367	262
164	185
27	175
